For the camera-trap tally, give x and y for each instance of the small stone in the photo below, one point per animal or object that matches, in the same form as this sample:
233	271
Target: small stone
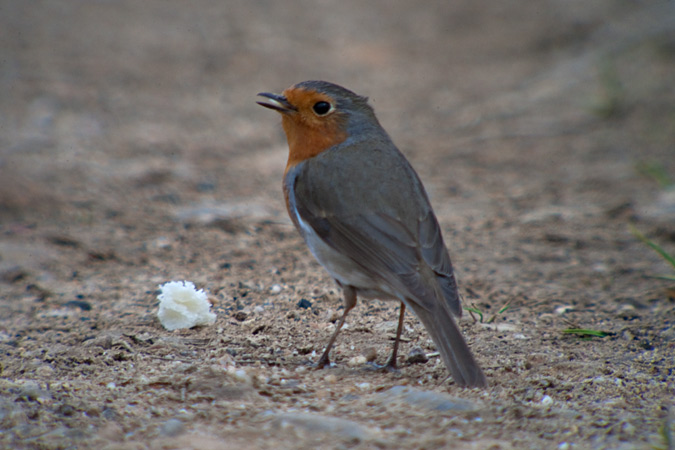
240	375
646	344
81	304
560	310
342	429
172	427
357	361
66	410
161	243
428	400
111	431
386	327
370	354
304	304
546	400
205	186
499	327
332	315
330	379
31	391
628	428
110	414
417	356
13	274
45	371
241	316
628	312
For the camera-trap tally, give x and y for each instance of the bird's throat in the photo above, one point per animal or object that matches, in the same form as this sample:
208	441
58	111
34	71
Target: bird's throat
305	141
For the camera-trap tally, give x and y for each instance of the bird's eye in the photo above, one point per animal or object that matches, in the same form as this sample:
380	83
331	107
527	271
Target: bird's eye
322	108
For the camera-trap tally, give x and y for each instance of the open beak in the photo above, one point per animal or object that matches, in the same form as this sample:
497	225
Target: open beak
276	102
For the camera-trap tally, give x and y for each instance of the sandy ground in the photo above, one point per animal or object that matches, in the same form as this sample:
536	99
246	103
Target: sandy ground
132	153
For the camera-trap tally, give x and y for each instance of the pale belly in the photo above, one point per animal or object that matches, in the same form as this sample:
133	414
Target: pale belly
343	269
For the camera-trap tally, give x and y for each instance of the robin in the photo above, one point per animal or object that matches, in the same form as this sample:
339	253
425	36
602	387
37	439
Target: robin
366	217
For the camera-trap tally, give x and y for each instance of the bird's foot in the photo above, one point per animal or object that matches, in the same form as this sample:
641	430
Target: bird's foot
324	363
391	366
386	368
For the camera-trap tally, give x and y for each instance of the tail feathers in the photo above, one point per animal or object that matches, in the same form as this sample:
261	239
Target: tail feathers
451	345
449	289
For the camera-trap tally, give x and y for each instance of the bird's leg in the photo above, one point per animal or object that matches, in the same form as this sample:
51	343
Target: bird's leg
350	302
391	364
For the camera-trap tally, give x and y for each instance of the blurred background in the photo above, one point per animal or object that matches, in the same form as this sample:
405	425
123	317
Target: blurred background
99	94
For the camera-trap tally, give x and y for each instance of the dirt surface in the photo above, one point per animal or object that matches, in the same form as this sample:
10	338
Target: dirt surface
132	153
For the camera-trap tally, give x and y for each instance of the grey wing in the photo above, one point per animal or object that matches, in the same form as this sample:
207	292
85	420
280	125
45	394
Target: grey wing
385	249
409	255
436	255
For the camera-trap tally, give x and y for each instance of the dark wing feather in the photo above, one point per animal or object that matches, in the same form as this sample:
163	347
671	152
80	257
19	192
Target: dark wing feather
396	240
436	255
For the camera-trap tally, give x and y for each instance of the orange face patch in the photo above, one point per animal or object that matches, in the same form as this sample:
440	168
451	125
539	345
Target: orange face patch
314	127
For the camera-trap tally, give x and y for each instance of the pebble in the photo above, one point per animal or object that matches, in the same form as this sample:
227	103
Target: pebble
111	431
386	327
417	356
304	304
627	312
31	391
172	427
241	316
240	375
564	309
430	400
500	327
81	304
332	315
330	379
663	207
628	428
162	243
357	361
342	429
45	371
370	354
66	410
110	414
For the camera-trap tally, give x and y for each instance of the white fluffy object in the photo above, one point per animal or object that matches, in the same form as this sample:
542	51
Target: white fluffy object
183	306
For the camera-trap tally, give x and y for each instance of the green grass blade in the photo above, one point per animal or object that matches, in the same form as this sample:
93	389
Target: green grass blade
583	332
665	277
656	172
653	245
476	311
503	310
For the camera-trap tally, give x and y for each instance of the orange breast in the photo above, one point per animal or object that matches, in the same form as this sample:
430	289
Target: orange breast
306	140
